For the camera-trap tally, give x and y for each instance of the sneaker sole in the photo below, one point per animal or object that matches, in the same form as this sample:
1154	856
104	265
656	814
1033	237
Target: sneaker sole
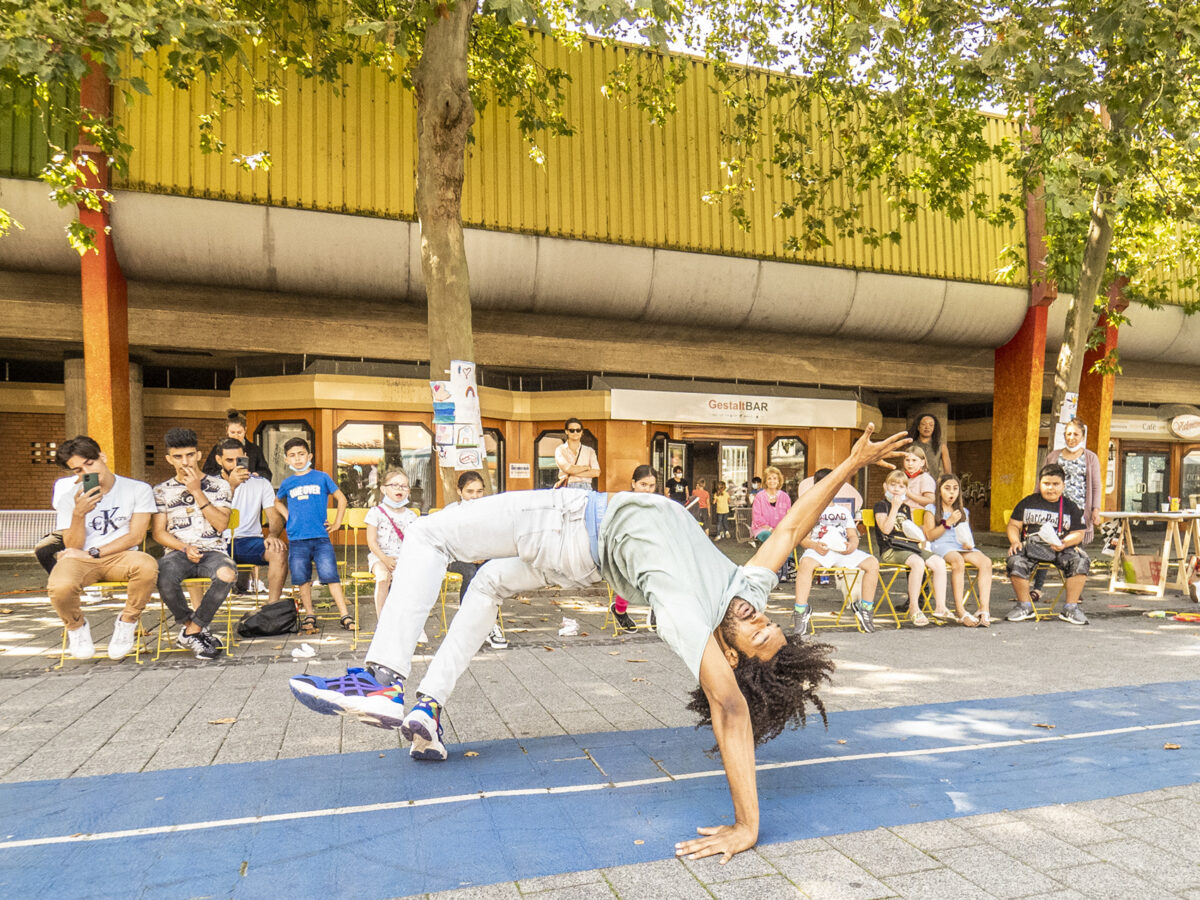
1070	621
1025	618
428	751
373	711
117	655
418	725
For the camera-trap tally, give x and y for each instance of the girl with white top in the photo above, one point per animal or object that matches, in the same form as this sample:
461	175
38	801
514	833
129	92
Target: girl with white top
948	530
921	485
386	524
577	462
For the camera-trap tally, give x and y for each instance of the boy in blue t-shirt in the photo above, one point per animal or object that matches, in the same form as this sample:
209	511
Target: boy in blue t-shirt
303	499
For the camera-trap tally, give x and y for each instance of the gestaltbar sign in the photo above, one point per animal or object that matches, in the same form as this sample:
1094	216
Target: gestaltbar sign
679	406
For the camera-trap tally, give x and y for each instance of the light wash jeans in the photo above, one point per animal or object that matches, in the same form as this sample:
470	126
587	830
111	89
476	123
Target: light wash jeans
531	538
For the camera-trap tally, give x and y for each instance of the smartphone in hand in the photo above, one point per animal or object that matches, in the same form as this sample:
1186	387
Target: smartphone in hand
243	462
90	480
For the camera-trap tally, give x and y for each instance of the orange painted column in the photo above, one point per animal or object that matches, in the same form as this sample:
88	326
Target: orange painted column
1019	369
1096	390
105	306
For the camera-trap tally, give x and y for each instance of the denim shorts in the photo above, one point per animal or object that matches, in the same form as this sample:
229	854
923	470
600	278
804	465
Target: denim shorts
1070	562
248	551
303	554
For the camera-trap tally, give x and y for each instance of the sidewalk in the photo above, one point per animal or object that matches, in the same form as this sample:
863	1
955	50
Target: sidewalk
1121	824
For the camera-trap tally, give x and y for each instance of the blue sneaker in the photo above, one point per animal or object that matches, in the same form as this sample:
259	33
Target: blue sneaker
356	693
423	726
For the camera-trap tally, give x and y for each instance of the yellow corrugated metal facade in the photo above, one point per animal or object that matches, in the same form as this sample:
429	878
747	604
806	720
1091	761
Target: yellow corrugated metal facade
619	179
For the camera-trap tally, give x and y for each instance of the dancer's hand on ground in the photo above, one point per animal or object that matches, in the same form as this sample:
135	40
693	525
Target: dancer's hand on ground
726	840
865	451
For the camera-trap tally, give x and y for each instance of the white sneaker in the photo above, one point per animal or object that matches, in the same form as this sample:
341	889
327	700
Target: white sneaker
123	636
262	587
79	642
496	639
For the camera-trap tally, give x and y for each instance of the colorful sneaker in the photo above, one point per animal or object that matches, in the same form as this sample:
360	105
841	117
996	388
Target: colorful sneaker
865	616
801	619
79	642
623	618
198	643
423	726
1021	612
356	693
1072	614
123	636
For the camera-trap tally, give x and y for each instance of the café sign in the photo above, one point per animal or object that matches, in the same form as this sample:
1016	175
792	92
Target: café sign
732	409
1186	426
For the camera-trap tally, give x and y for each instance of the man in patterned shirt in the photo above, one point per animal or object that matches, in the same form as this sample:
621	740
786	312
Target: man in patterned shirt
193	511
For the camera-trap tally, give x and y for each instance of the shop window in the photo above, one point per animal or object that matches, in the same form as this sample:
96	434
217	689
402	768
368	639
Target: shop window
1190	481
365	450
545	445
790	456
493	443
270	437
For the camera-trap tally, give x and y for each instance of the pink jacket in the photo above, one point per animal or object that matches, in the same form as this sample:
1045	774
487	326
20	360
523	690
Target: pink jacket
764	515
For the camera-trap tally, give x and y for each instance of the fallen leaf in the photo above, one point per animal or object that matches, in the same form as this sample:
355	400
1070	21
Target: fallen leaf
5	612
1041	725
471	753
547	649
841	740
636	660
277	647
381	756
639	842
639	679
229	720
614	652
245	866
1170	746
583	634
525	601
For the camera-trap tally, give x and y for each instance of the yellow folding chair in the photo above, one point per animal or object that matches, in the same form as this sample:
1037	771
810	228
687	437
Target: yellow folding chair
895	570
360	579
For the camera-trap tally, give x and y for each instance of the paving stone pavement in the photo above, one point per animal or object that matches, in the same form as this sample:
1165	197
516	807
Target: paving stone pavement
97	718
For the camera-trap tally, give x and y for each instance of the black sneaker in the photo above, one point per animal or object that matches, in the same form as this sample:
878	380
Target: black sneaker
865	616
198	643
800	620
214	640
623	618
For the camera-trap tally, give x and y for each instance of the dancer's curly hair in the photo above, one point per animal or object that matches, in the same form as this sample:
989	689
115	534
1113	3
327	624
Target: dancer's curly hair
777	691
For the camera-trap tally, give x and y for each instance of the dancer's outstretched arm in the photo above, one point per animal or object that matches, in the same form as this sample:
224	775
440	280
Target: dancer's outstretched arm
735	738
806	511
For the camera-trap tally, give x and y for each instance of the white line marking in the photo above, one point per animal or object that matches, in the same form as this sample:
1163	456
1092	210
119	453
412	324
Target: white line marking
568	789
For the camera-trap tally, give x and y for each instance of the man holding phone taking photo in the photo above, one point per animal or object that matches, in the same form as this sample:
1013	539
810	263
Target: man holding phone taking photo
252	496
103	522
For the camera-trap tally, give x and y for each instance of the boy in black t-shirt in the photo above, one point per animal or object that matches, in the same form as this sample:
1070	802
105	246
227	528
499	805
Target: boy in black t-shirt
1047	522
678	488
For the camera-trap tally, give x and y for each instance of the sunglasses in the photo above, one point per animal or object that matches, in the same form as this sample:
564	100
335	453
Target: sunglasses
574	431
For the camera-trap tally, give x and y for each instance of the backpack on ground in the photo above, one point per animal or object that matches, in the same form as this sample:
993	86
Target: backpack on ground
274	618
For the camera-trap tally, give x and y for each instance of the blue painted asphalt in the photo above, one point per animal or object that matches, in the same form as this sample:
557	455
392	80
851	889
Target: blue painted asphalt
443	844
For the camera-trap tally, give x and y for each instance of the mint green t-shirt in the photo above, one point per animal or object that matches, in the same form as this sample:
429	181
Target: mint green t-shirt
653	551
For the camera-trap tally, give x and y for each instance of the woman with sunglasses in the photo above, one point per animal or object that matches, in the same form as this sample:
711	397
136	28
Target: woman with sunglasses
577	462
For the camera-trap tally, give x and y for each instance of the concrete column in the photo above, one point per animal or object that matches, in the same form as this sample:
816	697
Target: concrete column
137	424
1019	369
75	397
105	305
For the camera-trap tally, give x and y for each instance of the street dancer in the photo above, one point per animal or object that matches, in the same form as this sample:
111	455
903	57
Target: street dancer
754	680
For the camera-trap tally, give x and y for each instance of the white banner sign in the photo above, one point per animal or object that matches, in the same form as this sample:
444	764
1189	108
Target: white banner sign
736	409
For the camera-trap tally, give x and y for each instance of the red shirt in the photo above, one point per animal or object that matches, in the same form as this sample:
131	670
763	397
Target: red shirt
703	495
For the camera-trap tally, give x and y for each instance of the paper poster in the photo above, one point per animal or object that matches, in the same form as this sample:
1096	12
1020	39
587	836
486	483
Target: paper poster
458	427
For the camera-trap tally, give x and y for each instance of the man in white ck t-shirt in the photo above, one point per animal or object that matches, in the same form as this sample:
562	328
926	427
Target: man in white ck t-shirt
254	495
101	528
753	680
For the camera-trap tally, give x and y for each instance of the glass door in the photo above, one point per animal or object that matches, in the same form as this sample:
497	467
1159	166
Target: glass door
1145	481
735	464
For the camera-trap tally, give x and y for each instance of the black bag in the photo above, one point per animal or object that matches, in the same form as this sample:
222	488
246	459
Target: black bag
1039	551
274	618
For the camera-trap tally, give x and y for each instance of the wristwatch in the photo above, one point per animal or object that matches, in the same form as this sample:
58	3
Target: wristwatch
94	553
